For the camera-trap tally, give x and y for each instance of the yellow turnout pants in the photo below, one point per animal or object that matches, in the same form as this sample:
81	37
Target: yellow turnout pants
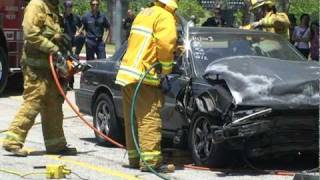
148	122
40	96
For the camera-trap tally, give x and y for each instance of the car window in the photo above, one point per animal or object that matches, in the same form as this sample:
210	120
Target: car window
210	47
118	55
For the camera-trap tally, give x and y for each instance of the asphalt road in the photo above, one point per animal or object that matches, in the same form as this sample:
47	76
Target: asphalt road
93	161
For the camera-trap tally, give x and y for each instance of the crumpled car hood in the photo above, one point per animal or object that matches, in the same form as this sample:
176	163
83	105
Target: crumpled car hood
262	81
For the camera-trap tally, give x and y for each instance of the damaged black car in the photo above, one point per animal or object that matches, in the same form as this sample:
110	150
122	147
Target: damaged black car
230	90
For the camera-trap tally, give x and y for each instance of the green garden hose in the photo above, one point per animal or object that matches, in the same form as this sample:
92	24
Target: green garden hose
133	128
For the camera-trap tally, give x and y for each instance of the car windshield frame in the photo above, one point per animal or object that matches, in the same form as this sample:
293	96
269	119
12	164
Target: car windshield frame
238	35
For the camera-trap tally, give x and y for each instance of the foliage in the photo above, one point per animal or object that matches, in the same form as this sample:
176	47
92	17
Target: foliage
298	7
187	8
238	17
80	7
136	5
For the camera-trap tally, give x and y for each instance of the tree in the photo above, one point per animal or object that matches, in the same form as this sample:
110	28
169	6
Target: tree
191	7
298	7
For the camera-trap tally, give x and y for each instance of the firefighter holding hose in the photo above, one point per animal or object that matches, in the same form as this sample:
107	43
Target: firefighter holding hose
42	33
152	40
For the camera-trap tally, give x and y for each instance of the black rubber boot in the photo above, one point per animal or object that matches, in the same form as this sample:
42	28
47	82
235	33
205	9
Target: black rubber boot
66	151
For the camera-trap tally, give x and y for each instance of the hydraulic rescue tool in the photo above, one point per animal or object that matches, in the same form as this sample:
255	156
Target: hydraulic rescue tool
68	65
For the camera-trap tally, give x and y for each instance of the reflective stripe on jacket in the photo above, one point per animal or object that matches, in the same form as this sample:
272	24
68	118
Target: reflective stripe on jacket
152	39
276	23
40	24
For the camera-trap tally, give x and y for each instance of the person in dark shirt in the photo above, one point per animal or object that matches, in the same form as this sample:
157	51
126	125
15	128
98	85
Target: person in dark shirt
216	20
73	28
127	22
95	24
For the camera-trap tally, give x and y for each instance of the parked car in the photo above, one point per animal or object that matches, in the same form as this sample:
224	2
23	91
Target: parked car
232	90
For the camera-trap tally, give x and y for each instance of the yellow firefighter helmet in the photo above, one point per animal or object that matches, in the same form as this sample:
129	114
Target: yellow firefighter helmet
172	4
258	3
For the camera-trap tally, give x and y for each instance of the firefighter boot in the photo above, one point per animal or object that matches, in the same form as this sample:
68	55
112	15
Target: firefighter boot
15	149
163	168
66	151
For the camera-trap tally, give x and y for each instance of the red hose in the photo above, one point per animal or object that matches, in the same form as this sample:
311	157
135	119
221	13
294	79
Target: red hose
55	77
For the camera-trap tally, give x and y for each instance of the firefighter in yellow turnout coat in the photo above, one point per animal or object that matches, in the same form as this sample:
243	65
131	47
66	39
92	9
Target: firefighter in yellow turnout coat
152	39
272	20
40	94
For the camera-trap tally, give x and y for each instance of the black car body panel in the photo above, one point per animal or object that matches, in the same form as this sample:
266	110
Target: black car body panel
261	81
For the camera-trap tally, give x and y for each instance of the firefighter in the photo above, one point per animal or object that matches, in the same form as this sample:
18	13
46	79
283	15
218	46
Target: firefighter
271	21
152	39
40	27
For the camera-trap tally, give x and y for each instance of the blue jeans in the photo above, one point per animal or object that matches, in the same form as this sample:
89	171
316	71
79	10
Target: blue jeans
95	47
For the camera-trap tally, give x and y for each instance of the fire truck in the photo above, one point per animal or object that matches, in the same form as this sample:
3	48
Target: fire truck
11	41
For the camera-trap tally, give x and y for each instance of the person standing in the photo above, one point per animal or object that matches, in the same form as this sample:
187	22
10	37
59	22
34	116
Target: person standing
314	49
40	93
73	28
127	23
271	21
301	35
216	20
95	25
152	39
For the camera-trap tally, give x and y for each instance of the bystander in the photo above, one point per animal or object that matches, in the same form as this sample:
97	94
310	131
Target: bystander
301	35
314	50
95	24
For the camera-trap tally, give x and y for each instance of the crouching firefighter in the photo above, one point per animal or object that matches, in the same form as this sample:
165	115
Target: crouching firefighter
152	40
40	25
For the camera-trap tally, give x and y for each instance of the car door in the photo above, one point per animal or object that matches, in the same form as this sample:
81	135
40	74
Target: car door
172	119
117	98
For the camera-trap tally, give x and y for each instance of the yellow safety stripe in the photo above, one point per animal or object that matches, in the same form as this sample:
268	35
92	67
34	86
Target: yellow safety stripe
121	82
137	74
147	33
166	63
153	155
155	82
54	141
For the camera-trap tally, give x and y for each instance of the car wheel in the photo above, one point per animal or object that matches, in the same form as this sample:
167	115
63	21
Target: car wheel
3	70
105	120
204	151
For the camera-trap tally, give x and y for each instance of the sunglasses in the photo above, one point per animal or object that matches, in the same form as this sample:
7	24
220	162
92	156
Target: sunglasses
94	4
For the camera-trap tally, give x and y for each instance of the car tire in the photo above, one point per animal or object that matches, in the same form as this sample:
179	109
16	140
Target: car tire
105	120
204	151
4	70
